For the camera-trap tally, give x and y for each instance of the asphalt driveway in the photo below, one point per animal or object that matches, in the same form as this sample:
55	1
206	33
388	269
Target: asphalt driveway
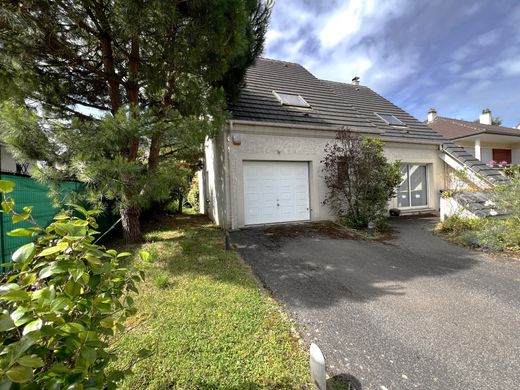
411	312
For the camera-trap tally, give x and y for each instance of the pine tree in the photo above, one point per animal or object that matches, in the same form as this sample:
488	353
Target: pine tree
121	93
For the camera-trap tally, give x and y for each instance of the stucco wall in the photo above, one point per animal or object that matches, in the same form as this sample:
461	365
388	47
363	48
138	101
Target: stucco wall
8	162
290	145
213	197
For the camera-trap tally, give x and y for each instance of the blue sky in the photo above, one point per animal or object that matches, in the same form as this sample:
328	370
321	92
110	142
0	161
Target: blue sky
458	56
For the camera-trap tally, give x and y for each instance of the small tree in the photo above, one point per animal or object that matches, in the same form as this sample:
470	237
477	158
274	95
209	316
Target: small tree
121	93
63	304
359	178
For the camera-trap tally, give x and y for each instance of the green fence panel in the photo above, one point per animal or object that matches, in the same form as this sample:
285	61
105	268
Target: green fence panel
28	192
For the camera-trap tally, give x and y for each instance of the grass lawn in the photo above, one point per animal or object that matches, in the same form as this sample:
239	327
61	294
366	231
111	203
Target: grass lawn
207	319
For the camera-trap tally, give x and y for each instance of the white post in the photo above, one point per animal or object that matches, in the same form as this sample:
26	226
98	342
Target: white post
478	155
317	362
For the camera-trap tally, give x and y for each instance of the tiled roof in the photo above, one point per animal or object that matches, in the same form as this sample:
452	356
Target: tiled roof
492	175
332	104
478	203
456	128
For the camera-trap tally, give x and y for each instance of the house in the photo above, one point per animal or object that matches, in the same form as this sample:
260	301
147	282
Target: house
9	165
265	165
489	143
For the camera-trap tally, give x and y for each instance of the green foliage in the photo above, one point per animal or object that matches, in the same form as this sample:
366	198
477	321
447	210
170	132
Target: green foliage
215	328
162	281
493	233
193	194
121	94
62	302
457	225
359	179
513	170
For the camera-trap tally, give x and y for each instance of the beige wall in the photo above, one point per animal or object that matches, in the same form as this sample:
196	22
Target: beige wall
8	162
289	144
486	150
213	199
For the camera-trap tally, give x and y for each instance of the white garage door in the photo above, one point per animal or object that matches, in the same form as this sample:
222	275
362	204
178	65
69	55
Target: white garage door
276	191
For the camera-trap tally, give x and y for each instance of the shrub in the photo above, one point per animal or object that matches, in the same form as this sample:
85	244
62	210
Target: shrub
162	281
457	225
62	302
193	194
359	179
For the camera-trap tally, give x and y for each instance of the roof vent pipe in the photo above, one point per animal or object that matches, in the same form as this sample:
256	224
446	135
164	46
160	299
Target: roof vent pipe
485	117
432	114
355	81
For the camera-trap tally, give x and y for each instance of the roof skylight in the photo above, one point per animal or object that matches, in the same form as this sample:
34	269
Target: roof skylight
390	119
288	99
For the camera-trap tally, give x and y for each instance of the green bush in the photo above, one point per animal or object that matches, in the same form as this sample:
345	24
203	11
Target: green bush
456	224
62	302
359	179
193	194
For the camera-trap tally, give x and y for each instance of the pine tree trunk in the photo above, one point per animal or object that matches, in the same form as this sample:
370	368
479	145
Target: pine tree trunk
131	226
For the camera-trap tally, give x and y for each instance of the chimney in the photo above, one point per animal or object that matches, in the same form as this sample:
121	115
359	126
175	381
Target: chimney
485	117
432	114
355	81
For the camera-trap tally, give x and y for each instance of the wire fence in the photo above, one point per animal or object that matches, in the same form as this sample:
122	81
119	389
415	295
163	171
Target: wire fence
29	192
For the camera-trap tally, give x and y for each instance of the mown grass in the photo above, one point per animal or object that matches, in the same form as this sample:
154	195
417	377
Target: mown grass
206	319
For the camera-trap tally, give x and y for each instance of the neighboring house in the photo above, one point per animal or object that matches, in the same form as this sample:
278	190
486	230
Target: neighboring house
485	141
9	165
265	166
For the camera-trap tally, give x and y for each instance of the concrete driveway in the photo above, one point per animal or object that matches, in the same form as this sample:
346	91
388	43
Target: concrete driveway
411	312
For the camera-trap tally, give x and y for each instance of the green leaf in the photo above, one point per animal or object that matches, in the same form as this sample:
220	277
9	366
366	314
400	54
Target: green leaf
23	253
7	206
124	254
6	186
20	374
20	217
53	249
107	322
21	232
32	361
51	270
61	217
61	303
72	289
89	354
32	326
6	323
144	255
15	296
8	287
72	327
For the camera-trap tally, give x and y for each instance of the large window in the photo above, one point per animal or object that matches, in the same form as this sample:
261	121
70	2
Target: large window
413	190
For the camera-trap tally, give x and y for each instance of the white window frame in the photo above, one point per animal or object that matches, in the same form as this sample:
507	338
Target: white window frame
426	187
303	104
402	124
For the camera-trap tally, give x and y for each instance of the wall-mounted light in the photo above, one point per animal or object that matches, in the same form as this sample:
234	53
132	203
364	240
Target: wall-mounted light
236	139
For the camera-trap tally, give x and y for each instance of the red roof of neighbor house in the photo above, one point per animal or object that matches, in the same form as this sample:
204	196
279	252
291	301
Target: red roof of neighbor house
456	128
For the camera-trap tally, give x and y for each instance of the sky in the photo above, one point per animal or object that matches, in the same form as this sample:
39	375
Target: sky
457	56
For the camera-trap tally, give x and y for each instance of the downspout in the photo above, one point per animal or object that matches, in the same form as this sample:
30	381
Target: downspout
227	179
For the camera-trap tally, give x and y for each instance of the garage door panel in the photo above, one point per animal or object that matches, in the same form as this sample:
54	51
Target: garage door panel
276	191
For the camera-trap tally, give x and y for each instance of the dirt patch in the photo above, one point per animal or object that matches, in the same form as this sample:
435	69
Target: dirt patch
312	229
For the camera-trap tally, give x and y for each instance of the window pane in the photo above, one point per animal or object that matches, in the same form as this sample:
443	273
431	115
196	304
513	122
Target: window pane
390	119
403	199
291	100
418	185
